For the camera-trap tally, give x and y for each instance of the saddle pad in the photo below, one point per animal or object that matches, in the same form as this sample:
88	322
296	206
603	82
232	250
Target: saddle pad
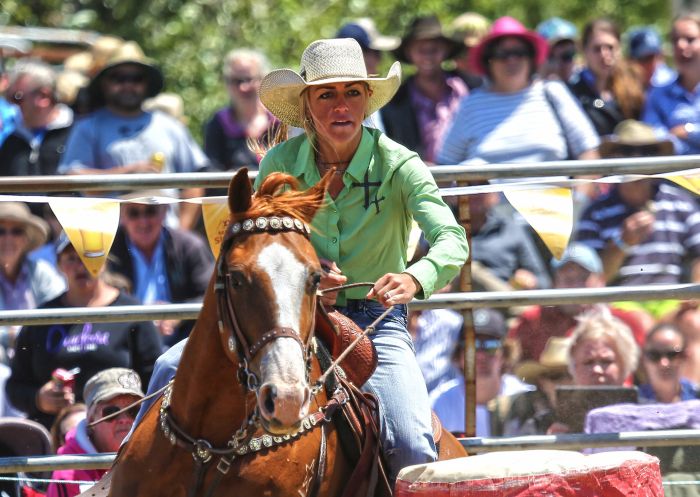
531	473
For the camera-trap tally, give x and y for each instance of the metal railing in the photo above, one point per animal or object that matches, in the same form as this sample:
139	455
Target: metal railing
466	300
107	182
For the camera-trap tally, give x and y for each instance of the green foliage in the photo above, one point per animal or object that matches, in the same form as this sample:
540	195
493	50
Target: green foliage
190	37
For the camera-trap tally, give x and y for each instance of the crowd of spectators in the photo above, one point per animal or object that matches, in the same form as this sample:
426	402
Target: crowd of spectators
478	93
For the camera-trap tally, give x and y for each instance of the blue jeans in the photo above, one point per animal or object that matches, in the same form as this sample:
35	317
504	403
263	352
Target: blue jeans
406	431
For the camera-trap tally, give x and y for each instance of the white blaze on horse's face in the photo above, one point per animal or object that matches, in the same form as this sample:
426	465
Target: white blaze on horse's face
284	393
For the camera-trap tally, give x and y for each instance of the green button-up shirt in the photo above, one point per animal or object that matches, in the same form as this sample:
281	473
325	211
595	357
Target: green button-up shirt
365	228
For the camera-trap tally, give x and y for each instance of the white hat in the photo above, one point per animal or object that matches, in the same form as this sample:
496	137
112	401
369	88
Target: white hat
324	62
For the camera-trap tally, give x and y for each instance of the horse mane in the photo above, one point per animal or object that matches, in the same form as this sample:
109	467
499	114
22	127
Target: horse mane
279	195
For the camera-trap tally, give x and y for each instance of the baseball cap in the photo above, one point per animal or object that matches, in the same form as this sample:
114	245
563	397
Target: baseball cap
556	29
644	42
365	32
111	383
62	243
580	254
489	322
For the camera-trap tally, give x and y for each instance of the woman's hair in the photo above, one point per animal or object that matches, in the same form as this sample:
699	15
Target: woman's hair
663	327
600	324
245	54
490	50
689	16
625	81
57	435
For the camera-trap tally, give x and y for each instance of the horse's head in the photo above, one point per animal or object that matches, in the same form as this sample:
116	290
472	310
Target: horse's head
267	276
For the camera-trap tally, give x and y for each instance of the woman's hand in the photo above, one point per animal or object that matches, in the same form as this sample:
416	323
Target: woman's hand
51	399
332	276
393	289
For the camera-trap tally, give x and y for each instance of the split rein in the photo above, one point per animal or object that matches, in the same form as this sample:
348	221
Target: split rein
319	382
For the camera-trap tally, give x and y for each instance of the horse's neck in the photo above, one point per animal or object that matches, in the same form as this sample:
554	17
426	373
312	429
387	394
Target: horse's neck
207	400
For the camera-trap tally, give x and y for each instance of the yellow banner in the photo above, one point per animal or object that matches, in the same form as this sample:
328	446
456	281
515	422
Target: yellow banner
691	183
90	225
550	212
216	217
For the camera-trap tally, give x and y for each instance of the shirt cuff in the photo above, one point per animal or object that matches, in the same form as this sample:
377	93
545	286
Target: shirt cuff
425	273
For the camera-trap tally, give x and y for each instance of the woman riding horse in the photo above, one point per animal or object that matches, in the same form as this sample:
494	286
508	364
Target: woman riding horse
361	234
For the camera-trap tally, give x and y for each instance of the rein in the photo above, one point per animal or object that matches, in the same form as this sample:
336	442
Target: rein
125	409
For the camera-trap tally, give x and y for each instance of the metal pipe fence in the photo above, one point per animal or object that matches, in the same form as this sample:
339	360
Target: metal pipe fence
464	300
577	441
109	182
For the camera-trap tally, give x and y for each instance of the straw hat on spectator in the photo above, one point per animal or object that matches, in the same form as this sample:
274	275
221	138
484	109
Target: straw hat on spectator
170	103
104	48
36	228
552	361
426	28
631	134
68	84
128	53
80	62
469	28
324	62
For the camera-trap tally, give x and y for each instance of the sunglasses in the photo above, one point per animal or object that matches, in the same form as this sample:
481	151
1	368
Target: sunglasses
12	232
127	77
567	56
489	345
240	81
517	53
626	150
111	409
656	355
147	212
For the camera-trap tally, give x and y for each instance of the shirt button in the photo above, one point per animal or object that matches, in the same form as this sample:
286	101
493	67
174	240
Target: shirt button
598	103
334	240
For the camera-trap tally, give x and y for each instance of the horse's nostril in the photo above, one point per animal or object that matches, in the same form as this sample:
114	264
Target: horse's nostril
269	396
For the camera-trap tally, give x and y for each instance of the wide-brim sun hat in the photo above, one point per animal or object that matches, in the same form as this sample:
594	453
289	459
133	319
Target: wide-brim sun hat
128	53
505	27
426	28
324	62
553	359
637	134
36	228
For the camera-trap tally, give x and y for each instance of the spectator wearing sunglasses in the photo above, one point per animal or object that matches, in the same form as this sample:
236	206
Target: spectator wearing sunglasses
42	349
228	132
516	117
36	146
119	137
162	264
561	35
662	358
106	394
448	399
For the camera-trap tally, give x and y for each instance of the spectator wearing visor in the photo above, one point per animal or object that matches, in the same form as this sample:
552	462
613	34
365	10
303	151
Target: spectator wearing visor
373	45
646	50
561	35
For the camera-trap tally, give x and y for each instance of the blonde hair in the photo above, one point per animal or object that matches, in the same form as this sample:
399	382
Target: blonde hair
600	324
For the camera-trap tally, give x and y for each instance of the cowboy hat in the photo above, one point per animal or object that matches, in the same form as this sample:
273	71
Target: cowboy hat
426	28
506	27
324	62
553	359
128	53
37	229
634	134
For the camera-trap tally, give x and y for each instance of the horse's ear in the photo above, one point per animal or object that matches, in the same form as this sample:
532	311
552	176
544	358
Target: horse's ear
316	195
240	192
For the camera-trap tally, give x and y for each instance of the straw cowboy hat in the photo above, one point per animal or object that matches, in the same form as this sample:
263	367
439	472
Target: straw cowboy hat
324	62
508	27
630	133
37	229
554	359
426	28
128	53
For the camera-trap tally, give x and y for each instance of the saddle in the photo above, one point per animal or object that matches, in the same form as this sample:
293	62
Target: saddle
337	332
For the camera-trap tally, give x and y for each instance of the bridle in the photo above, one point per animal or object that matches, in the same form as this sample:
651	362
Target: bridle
228	318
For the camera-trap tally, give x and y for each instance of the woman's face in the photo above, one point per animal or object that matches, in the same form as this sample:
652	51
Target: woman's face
244	80
13	244
596	362
602	53
510	65
663	357
337	111
107	436
427	55
72	267
686	45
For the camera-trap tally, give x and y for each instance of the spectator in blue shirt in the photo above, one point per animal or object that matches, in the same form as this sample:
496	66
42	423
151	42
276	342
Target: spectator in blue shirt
674	110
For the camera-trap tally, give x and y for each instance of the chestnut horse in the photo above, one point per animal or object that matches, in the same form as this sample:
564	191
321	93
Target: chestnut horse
241	416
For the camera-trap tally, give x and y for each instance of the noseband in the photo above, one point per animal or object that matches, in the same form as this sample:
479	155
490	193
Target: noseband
228	319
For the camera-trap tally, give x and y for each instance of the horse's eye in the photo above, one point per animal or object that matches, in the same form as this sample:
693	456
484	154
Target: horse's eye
314	280
237	278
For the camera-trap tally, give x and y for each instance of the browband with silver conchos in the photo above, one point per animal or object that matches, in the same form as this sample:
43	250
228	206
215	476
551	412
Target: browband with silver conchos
272	223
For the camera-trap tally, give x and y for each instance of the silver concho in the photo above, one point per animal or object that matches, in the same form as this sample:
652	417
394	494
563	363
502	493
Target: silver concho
231	344
248	225
267	440
236	228
275	223
254	444
298	225
261	223
288	223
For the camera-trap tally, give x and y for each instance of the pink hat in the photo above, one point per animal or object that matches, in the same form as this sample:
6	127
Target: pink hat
501	28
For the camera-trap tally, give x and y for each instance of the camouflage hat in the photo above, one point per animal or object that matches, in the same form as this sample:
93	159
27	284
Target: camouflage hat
111	383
